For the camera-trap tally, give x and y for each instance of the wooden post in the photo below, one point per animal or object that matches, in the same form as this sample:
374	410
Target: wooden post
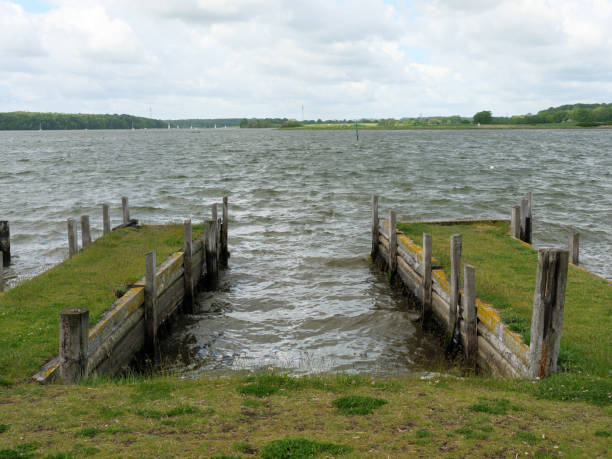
187	269
392	243
515	222
5	242
573	248
547	318
470	313
526	224
375	230
74	331
85	232
455	256
126	210
224	225
106	219
426	287
150	302
1	271
73	246
210	248
213	211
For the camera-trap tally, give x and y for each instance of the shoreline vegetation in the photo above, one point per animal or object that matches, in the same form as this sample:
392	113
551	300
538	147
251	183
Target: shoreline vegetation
573	116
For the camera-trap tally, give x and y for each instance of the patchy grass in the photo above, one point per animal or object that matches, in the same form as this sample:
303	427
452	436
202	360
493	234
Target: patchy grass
208	417
358	404
29	313
301	448
505	278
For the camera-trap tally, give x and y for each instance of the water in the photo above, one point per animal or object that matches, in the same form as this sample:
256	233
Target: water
301	292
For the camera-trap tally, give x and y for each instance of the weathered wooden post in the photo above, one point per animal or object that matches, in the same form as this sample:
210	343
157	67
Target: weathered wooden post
187	269
106	219
392	243
85	231
126	209
5	242
375	230
210	249
1	271
455	256
547	317
573	247
213	211
73	247
426	287
515	222
150	292
526	221
74	335
224	225
470	313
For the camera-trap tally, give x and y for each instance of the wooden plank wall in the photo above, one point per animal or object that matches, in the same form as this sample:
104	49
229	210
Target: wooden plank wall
120	333
500	350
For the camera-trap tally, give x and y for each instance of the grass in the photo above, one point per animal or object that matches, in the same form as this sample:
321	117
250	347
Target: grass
29	312
211	417
357	404
505	278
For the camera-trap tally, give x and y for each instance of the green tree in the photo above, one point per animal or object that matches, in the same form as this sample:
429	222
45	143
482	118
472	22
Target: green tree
483	117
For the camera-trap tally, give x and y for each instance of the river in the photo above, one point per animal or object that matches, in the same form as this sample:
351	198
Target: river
301	292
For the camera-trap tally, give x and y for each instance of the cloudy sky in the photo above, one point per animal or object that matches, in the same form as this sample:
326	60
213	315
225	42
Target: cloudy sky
337	58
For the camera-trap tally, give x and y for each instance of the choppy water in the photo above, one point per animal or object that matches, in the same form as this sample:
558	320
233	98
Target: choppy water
301	292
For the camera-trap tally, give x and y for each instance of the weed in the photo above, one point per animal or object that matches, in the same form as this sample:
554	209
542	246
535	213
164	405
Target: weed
3	428
471	434
526	437
357	404
423	433
603	433
20	451
494	406
245	448
258	389
59	456
153	390
301	448
88	432
518	323
110	412
183	409
252	403
148	413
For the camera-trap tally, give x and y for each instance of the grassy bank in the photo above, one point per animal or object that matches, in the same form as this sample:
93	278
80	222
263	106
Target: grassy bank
505	278
274	416
29	313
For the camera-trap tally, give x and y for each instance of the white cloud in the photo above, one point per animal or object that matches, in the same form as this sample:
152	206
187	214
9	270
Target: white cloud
342	59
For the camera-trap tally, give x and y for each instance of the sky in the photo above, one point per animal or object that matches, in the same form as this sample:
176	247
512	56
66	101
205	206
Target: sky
337	59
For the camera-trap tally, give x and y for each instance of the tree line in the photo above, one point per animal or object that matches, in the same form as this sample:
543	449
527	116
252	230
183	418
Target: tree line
52	121
579	114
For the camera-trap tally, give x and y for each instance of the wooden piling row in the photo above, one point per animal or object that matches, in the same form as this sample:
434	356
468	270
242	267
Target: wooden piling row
455	257
106	219
375	230
1	271
5	242
501	349
85	232
187	267
547	317
150	303
573	248
74	327
427	280
224	226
